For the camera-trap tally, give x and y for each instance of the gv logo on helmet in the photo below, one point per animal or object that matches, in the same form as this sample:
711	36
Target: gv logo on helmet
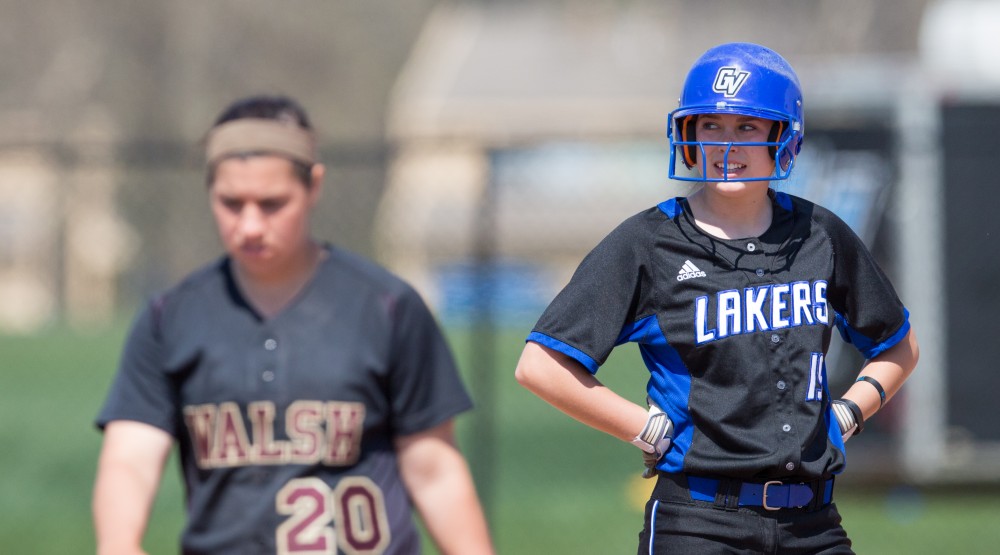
729	81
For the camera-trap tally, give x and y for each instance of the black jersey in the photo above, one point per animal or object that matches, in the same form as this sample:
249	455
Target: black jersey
733	332
286	425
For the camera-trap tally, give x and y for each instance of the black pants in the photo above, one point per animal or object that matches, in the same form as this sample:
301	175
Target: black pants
682	525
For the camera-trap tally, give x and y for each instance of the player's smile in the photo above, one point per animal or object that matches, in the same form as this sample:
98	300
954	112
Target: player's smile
731	170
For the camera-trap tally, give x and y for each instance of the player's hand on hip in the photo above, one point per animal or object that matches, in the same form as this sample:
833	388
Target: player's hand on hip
654	439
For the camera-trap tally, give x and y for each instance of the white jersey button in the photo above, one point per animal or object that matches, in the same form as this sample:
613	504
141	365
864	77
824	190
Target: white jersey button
267	376
751	247
760	272
775	338
270	344
786	428
790	466
781	384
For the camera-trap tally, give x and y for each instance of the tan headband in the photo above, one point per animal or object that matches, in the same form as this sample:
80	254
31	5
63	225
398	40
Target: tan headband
252	135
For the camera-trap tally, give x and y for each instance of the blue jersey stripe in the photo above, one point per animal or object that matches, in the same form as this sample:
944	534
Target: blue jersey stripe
866	346
832	427
670	207
589	363
783	200
833	432
669	385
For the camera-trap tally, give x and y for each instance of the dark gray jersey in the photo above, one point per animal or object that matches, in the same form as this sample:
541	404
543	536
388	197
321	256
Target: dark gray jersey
734	332
286	425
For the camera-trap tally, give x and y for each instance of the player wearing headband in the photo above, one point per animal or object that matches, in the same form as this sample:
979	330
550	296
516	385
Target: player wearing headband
732	295
310	392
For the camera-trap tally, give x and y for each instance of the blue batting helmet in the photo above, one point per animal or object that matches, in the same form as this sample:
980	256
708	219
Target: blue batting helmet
745	79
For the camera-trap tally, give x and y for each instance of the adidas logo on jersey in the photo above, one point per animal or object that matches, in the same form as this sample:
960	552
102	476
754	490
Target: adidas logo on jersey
688	271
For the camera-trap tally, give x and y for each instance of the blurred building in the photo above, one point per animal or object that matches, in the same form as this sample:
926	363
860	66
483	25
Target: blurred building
102	109
63	240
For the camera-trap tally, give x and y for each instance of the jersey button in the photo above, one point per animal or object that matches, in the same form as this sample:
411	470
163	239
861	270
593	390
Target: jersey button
786	428
751	247
760	272
267	376
790	466
270	344
775	338
781	385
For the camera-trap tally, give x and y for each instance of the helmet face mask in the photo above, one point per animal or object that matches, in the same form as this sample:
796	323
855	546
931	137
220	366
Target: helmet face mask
744	79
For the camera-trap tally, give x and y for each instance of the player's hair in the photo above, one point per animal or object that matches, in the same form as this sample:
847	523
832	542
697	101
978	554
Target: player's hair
279	108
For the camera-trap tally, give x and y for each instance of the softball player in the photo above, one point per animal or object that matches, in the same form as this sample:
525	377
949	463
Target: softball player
731	294
310	392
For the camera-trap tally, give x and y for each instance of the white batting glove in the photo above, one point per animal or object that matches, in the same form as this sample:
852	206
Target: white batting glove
654	439
848	418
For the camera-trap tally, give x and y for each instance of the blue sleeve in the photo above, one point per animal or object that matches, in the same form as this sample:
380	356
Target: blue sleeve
869	314
605	295
866	346
589	363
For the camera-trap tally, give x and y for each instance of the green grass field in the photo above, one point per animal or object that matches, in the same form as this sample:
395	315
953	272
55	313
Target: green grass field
555	486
